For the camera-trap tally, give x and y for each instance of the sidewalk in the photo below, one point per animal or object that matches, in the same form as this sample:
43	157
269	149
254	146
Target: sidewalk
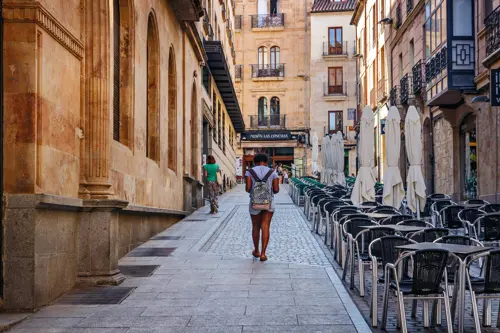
211	284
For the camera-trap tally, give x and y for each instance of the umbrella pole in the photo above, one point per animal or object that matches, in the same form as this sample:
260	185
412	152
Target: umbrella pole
418	209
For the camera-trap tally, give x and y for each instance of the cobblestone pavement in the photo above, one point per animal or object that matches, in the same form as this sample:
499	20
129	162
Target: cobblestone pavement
220	290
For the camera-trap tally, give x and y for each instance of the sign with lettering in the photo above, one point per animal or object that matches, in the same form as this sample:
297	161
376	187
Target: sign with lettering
268	136
495	87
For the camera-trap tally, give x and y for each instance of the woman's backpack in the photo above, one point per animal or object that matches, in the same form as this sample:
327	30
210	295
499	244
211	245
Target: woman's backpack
261	196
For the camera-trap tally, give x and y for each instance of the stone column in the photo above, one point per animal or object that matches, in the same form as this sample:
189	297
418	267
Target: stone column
96	178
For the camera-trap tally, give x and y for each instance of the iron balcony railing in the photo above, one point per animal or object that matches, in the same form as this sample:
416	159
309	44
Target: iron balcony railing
272	70
238	19
409	6
238	71
268	121
404	88
334	48
381	89
418	73
268	20
330	89
492	23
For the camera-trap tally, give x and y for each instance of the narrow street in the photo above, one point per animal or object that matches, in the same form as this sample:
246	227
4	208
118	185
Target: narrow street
210	283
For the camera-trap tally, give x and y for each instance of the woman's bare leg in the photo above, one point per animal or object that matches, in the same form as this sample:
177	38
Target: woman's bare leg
265	225
256	225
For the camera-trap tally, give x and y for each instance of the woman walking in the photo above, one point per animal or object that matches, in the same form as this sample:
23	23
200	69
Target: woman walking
262	183
210	171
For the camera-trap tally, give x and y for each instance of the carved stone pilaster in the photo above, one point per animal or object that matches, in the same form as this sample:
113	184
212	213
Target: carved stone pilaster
96	177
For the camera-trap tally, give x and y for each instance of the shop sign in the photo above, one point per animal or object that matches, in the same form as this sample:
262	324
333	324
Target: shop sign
268	136
382	126
495	87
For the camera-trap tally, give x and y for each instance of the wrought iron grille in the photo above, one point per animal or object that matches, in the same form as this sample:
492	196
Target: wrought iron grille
409	6
268	20
268	121
238	71
394	96
444	58
335	89
238	19
335	48
404	89
273	70
418	72
492	23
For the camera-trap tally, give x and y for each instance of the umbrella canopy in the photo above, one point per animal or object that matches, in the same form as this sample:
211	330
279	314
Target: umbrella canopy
339	153
415	181
363	189
315	152
394	191
324	161
331	160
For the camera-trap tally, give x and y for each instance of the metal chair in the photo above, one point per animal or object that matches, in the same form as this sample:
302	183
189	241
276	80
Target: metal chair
491	208
367	205
416	223
341	241
395	219
429	235
326	212
336	216
476	202
383	249
436	207
487	289
358	239
450	220
308	193
430	200
382	207
468	217
487	229
318	218
313	205
428	271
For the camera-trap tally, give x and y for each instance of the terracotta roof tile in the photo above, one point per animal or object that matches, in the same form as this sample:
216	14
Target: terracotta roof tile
320	6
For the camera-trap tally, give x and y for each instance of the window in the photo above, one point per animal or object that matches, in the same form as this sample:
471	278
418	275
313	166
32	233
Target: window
275	56
381	74
262	111
412	53
275	111
262	57
219	125
275	7
400	66
123	75
172	111
335	40
371	41
399	16
488	7
214	112
335	80
216	31
206	79
153	97
435	24
374	28
335	122
224	132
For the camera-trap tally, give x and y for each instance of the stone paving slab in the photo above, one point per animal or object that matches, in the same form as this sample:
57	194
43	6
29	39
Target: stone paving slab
220	289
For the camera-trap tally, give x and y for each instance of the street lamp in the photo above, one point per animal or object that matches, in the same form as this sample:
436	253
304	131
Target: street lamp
480	99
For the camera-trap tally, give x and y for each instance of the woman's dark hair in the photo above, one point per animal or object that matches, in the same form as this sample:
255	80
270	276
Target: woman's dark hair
260	158
210	159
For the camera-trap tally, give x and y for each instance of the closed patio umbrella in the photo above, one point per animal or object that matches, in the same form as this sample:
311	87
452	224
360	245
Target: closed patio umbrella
394	191
415	194
324	158
339	170
315	152
363	189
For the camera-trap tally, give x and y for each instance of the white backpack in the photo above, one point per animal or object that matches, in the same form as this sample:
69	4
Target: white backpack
261	196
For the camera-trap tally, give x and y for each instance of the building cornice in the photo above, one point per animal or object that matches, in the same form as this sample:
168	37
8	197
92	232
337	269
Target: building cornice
36	13
358	9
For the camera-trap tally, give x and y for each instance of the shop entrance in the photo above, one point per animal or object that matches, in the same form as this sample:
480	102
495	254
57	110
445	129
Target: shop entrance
468	157
283	156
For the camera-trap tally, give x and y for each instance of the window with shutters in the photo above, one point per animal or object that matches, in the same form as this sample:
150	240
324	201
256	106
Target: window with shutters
123	103
153	88
172	111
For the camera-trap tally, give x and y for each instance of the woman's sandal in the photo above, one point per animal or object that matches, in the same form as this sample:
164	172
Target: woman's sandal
256	254
263	258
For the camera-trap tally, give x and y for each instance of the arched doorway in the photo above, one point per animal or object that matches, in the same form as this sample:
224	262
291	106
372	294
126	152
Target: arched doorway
468	157
428	156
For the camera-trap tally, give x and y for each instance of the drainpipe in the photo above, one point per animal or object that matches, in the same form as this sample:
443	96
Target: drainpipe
2	205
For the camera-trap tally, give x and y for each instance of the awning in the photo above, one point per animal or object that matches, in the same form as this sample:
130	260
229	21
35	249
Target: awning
220	72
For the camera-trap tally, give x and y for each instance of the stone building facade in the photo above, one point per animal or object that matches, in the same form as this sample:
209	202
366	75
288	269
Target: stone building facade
272	47
103	108
440	54
333	74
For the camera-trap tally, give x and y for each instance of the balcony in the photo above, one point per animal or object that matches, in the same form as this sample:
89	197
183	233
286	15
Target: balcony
405	90
238	72
381	90
418	78
268	72
268	122
492	23
187	10
238	22
334	92
268	21
335	49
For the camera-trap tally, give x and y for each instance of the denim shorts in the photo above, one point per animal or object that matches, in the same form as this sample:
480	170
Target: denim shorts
257	211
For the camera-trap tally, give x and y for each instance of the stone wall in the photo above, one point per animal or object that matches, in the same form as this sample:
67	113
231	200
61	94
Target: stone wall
443	156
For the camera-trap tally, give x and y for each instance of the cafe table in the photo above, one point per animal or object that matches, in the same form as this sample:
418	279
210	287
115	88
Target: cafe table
463	252
380	216
403	229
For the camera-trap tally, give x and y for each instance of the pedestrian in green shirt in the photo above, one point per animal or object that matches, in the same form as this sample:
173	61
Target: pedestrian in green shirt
210	171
